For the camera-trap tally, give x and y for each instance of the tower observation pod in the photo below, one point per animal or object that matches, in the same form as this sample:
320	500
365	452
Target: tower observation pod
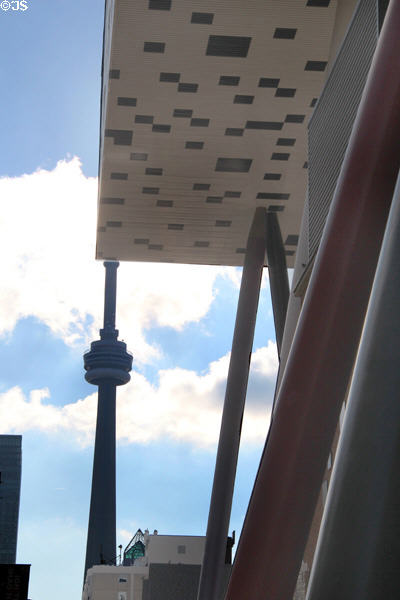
107	365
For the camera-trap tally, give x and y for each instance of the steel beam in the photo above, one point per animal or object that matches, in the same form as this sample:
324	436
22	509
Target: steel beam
294	303
358	552
229	440
278	275
322	355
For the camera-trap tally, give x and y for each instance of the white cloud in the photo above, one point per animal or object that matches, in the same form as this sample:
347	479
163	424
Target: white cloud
184	406
47	243
47	239
19	413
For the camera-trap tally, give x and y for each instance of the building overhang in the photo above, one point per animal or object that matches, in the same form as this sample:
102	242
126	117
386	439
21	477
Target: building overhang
204	113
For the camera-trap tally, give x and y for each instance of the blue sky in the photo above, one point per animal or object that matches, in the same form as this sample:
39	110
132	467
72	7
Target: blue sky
177	320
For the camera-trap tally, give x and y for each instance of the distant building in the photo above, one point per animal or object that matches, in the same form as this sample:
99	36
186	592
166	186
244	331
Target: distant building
14	582
155	567
10	485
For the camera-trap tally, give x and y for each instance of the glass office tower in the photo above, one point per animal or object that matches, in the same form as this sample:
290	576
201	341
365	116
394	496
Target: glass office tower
10	485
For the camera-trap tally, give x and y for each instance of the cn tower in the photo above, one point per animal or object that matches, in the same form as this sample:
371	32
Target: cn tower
107	365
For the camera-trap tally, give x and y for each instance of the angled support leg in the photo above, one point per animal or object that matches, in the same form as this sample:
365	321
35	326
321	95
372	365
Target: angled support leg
228	446
278	275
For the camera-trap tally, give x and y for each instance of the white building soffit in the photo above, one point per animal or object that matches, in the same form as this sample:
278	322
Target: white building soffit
204	113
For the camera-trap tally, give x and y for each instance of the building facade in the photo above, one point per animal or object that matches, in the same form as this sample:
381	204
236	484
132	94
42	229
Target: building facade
10	486
168	569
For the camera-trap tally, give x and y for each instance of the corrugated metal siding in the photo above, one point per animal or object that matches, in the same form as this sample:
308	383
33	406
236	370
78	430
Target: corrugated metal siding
332	121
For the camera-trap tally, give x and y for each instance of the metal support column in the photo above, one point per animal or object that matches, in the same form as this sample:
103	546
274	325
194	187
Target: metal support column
358	553
278	275
228	446
322	355
294	302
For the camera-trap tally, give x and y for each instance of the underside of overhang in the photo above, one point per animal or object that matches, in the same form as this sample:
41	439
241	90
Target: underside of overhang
205	107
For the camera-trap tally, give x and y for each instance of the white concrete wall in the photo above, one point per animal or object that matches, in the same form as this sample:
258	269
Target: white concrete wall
105	582
174	549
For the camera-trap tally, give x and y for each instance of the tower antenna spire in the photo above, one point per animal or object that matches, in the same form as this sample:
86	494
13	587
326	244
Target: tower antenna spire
110	298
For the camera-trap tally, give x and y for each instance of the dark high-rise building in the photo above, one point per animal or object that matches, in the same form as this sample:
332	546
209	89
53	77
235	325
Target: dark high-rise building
10	485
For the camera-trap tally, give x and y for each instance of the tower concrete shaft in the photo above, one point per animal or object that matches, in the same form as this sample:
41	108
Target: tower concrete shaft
107	365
